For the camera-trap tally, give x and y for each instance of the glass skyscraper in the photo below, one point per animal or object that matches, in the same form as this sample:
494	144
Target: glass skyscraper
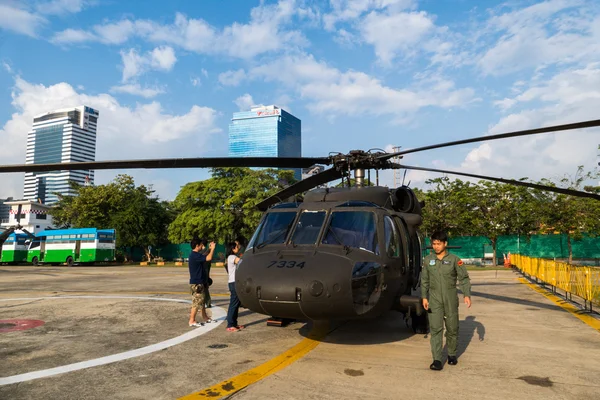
67	135
265	131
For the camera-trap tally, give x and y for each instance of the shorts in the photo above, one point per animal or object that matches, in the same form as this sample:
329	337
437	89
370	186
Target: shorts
197	291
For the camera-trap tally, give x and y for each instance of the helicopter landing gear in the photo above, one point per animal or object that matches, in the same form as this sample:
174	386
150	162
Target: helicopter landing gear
279	322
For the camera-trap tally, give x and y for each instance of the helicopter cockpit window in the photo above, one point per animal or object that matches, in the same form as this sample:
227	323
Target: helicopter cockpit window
274	229
308	227
393	244
353	229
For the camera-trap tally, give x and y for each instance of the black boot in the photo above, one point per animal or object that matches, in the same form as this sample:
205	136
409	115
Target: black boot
452	360
436	365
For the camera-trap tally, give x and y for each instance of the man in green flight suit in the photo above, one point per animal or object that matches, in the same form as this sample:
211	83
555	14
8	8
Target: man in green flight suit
440	298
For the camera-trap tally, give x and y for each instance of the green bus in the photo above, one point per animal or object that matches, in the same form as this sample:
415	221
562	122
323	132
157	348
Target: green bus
72	246
14	249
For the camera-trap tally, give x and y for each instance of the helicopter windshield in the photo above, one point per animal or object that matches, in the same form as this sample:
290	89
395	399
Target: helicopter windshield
353	229
308	227
274	229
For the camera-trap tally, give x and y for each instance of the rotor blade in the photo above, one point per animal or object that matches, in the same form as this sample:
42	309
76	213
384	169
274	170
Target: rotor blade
511	182
555	128
274	162
299	187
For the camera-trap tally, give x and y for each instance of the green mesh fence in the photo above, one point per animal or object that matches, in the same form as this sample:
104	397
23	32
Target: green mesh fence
541	246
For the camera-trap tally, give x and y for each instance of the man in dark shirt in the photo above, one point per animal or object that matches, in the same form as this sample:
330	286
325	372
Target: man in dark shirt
199	278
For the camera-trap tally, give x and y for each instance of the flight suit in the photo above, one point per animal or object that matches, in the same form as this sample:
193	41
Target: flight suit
438	286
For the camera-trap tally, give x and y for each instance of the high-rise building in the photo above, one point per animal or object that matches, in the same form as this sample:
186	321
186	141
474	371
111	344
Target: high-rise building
4	209
67	135
265	131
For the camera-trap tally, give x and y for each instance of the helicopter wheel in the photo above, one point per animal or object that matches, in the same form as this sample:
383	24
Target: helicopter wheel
419	323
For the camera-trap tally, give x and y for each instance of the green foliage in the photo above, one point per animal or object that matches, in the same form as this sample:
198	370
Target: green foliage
569	215
494	209
140	219
344	182
224	206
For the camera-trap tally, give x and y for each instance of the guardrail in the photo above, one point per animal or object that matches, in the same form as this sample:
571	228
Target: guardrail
581	281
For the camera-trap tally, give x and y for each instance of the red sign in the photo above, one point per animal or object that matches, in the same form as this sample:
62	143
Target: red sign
265	113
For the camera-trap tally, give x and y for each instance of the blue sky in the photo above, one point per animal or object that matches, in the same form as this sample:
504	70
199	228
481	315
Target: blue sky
360	74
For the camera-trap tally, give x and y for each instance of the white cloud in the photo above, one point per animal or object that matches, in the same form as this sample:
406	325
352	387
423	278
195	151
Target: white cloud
550	32
195	81
161	58
58	7
332	92
393	33
232	78
142	131
569	96
348	10
204	72
264	33
7	67
137	90
73	36
244	102
20	20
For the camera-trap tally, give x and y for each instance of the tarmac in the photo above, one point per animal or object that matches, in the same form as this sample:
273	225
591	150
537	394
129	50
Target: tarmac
122	333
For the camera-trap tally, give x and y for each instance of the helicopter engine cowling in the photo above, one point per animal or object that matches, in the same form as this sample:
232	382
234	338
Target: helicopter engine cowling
405	200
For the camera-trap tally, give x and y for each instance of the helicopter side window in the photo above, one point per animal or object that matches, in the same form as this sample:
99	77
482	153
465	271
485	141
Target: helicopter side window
393	245
274	229
353	229
308	227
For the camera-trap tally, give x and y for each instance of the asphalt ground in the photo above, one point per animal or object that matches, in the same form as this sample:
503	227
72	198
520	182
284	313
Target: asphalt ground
514	343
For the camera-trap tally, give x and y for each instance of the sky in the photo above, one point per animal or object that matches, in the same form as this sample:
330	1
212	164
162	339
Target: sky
166	77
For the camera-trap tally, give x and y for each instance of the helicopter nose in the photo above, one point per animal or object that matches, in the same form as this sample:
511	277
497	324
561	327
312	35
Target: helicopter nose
298	285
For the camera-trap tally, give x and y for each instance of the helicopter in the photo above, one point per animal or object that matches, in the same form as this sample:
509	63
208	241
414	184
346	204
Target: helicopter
338	253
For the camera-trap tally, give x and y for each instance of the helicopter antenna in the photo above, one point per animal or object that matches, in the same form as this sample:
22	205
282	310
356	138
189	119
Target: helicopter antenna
396	149
404	178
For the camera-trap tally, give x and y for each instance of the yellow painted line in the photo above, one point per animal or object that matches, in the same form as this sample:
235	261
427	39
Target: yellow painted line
58	292
587	319
237	383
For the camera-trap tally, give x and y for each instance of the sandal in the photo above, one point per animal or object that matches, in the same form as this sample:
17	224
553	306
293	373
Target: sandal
208	321
196	324
232	329
240	327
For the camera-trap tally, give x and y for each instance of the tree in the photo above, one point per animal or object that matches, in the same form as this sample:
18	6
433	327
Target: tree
569	215
448	207
503	209
139	218
224	206
344	182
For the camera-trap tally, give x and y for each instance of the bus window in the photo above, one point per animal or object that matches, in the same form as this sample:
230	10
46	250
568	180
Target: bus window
34	245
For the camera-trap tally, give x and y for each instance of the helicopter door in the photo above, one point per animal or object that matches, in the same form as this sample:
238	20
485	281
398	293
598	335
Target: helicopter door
42	248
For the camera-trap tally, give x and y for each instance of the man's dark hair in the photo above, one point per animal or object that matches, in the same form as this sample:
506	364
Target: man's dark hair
196	241
439	235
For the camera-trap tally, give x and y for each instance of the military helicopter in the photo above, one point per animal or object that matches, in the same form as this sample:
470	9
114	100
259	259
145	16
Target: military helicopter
339	253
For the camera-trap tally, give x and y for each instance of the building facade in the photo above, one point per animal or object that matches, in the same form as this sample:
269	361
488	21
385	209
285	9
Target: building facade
266	131
31	215
67	135
4	209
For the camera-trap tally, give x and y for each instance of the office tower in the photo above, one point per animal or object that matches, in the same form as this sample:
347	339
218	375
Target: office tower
67	135
4	209
265	131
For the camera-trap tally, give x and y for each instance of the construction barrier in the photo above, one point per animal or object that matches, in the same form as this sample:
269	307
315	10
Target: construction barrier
576	280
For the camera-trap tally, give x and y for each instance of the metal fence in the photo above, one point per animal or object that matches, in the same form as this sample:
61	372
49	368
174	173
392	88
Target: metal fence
581	281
